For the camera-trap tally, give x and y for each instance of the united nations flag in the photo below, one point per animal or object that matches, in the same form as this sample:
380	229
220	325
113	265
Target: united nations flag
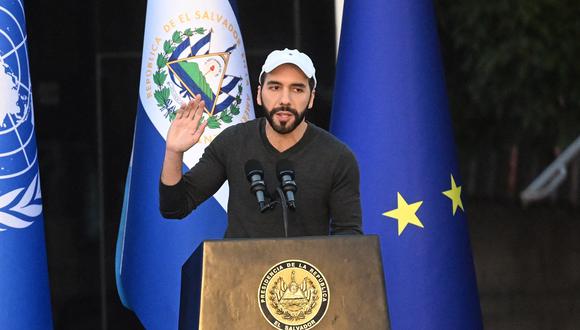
24	292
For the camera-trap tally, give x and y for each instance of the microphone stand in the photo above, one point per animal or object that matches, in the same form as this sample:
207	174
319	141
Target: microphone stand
284	204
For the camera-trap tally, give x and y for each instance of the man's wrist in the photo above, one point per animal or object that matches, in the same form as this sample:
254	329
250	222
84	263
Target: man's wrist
171	173
173	156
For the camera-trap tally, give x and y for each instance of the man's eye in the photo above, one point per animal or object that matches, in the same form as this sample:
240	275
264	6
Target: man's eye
274	88
298	90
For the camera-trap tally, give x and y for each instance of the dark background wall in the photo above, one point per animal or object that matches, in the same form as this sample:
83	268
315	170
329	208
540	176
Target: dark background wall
85	58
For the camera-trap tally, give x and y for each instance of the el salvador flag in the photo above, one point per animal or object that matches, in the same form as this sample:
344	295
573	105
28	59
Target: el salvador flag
24	287
390	107
150	249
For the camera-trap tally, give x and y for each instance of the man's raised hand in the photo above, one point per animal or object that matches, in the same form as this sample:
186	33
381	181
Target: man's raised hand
186	130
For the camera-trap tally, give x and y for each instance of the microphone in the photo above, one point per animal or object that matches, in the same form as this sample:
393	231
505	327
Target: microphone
285	170
255	175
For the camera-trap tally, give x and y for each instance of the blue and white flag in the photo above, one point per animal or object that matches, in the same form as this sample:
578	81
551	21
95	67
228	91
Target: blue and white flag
390	107
24	289
190	47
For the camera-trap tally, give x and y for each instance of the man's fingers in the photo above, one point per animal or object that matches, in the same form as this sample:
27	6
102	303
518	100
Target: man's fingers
181	111
199	111
193	106
197	121
197	134
193	109
187	110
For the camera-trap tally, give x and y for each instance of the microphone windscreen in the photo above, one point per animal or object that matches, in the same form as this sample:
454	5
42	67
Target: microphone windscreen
252	165
284	165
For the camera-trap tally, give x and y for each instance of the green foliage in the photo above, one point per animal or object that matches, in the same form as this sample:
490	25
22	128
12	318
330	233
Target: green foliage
159	78
235	109
212	122
161	61
161	96
167	48
176	37
225	117
512	69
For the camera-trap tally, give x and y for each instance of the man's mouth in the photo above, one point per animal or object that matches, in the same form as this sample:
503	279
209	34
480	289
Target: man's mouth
284	115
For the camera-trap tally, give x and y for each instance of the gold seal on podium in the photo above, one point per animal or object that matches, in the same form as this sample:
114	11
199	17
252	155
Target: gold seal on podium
293	295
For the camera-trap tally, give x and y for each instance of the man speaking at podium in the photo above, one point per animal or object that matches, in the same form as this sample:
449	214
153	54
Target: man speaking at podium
278	167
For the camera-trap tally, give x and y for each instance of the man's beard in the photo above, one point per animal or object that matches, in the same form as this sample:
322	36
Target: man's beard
284	127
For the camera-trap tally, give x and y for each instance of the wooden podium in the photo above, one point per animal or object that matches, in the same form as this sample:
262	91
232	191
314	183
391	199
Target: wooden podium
332	282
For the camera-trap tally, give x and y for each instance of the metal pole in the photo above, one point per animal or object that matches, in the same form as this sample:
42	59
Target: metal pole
552	176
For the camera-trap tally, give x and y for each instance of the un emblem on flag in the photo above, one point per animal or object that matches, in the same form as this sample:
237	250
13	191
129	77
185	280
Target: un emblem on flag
293	295
20	198
186	67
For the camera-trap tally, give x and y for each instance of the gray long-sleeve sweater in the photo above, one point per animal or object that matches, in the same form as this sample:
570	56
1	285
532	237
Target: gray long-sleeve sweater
326	174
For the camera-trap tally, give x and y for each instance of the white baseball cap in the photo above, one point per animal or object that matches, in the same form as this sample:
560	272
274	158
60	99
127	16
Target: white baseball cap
292	56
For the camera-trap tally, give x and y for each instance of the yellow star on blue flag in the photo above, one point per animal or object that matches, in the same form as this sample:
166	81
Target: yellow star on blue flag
405	147
405	213
455	195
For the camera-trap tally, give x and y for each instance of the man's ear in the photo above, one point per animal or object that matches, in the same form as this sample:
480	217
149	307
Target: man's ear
311	103
258	98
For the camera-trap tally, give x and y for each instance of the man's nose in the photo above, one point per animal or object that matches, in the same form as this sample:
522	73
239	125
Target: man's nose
285	96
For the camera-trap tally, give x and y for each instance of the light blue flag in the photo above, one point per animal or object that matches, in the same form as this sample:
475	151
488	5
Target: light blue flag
190	47
24	289
390	107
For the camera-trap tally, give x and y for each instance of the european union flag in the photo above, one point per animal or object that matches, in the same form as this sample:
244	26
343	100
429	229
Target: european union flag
24	290
390	107
190	47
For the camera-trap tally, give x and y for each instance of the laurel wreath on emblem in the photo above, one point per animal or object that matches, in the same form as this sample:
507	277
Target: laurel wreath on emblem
163	92
291	301
20	207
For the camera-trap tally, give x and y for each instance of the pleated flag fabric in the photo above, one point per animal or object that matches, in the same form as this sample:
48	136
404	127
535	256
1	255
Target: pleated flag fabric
24	287
390	107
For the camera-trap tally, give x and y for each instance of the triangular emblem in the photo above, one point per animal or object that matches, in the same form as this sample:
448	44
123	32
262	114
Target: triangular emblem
204	75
